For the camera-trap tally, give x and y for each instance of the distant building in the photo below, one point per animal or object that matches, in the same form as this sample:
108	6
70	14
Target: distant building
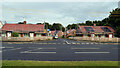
58	33
24	30
71	32
95	31
1	24
0	28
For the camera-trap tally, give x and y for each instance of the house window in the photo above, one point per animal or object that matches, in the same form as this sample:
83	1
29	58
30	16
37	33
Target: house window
106	35
38	35
25	34
80	35
89	35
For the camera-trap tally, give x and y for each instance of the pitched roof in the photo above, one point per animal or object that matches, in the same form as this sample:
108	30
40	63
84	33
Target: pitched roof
55	31
95	29
23	27
70	30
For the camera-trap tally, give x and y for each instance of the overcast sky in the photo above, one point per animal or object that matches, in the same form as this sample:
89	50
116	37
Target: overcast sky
56	12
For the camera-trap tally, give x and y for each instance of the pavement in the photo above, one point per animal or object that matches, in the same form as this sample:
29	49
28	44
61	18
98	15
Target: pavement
60	50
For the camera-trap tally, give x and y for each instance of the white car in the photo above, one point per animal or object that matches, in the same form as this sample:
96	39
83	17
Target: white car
56	37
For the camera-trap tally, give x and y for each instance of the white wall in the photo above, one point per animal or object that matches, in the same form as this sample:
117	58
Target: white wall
9	34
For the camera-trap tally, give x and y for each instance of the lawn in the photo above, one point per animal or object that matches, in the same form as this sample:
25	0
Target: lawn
58	63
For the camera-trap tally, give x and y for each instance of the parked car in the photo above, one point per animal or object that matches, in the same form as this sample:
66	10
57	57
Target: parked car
55	37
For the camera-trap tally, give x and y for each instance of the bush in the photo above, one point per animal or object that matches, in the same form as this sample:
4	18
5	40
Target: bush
14	34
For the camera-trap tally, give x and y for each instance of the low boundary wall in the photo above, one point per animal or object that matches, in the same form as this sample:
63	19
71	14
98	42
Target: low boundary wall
26	38
96	39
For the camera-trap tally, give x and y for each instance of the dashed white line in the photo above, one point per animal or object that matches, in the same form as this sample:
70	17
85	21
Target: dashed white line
91	52
67	42
39	52
73	43
78	43
82	43
15	49
91	43
54	43
12	49
85	48
87	43
96	43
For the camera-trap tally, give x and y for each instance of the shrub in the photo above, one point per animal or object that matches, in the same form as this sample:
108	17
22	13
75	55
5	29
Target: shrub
15	34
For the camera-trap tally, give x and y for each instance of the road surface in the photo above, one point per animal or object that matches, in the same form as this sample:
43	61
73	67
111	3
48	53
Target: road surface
60	50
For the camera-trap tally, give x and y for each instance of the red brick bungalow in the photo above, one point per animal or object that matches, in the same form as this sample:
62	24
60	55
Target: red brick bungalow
24	30
58	33
95	31
71	32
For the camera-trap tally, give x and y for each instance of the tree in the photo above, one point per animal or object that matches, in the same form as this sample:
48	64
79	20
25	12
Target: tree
15	34
89	23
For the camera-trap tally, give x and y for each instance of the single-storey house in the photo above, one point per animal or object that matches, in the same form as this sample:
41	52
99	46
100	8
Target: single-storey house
0	28
95	31
71	32
58	33
24	30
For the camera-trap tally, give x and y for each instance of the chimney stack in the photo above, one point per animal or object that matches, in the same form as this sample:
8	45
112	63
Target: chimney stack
24	22
94	25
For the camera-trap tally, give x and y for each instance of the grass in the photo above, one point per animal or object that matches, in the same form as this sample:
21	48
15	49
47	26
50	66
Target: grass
58	63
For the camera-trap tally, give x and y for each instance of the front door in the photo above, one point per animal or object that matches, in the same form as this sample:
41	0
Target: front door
8	34
31	34
110	35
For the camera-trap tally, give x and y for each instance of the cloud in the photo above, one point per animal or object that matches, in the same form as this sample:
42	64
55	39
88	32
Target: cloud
61	0
62	12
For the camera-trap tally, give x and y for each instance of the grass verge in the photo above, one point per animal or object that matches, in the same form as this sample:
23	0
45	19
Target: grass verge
58	63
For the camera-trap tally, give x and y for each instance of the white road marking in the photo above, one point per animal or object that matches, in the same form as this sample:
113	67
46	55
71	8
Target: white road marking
32	50
15	49
78	43
91	43
85	48
105	43
2	47
91	52
67	42
49	43
54	43
44	43
12	49
9	47
87	43
38	49
48	48
83	43
116	43
39	43
39	52
73	43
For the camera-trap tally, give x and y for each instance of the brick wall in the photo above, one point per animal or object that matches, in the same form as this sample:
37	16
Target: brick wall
96	39
26	38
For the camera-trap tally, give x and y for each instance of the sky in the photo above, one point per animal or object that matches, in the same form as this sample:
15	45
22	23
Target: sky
55	12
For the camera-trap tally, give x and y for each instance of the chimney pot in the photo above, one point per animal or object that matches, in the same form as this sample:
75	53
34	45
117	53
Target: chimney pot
25	22
94	24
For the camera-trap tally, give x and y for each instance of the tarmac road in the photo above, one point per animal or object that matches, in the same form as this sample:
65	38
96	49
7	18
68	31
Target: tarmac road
60	50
